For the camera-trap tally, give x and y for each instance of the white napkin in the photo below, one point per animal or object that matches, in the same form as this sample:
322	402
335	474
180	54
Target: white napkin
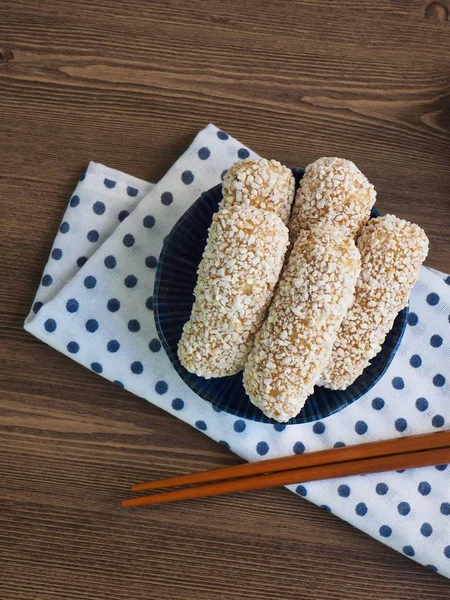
94	304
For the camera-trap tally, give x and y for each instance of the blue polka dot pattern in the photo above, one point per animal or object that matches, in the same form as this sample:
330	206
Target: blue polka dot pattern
385	531
47	280
447	551
224	172
37	307
426	530
438	380
109	183
154	345
433	299
415	361
187	177
413	319
149	221
64	228
130	281
318	427
400	425
83	176
113	305
132	191
441	467
128	240
90	282
432	568
438	421
99	208
421	404
377	403
243	153
110	262
361	427
161	387
92	325
436	341
361	509
166	198
408	550
72	305
424	488
222	135
97	367
301	490
177	404
137	367
50	325
381	489
239	426
118	383
201	425
299	448
447	280
82	260
224	444
279	427
126	277
134	325
113	346
204	153
151	262
344	491
262	448
404	508
398	383
445	508
73	347
325	507
93	235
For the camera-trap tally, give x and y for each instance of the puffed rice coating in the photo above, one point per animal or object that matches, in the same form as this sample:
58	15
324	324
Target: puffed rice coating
294	344
239	270
264	183
332	190
392	251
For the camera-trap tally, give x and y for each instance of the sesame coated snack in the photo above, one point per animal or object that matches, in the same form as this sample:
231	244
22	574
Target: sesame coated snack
266	184
392	251
294	344
236	278
333	190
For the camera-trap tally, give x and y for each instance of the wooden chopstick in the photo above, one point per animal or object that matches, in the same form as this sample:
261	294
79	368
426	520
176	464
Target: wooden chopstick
438	453
362	466
402	445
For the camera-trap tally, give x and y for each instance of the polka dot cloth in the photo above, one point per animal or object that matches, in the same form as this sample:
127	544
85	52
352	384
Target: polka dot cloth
95	305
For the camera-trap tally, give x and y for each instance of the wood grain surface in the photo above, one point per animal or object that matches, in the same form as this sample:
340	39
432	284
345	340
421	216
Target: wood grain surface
128	83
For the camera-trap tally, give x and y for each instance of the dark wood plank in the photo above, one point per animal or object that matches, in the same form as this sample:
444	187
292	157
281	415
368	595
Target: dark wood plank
128	84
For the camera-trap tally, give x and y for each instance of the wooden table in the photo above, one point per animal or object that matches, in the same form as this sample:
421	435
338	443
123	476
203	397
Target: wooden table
128	83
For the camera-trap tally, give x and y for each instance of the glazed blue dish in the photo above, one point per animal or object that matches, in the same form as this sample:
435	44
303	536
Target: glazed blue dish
173	297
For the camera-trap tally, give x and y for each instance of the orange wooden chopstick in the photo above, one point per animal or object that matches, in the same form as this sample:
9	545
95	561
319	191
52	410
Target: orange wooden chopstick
379	464
408	452
333	455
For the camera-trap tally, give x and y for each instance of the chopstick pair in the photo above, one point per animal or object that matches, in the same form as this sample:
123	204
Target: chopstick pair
373	457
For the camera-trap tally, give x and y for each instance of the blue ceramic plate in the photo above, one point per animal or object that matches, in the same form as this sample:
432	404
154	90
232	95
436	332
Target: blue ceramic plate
176	277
